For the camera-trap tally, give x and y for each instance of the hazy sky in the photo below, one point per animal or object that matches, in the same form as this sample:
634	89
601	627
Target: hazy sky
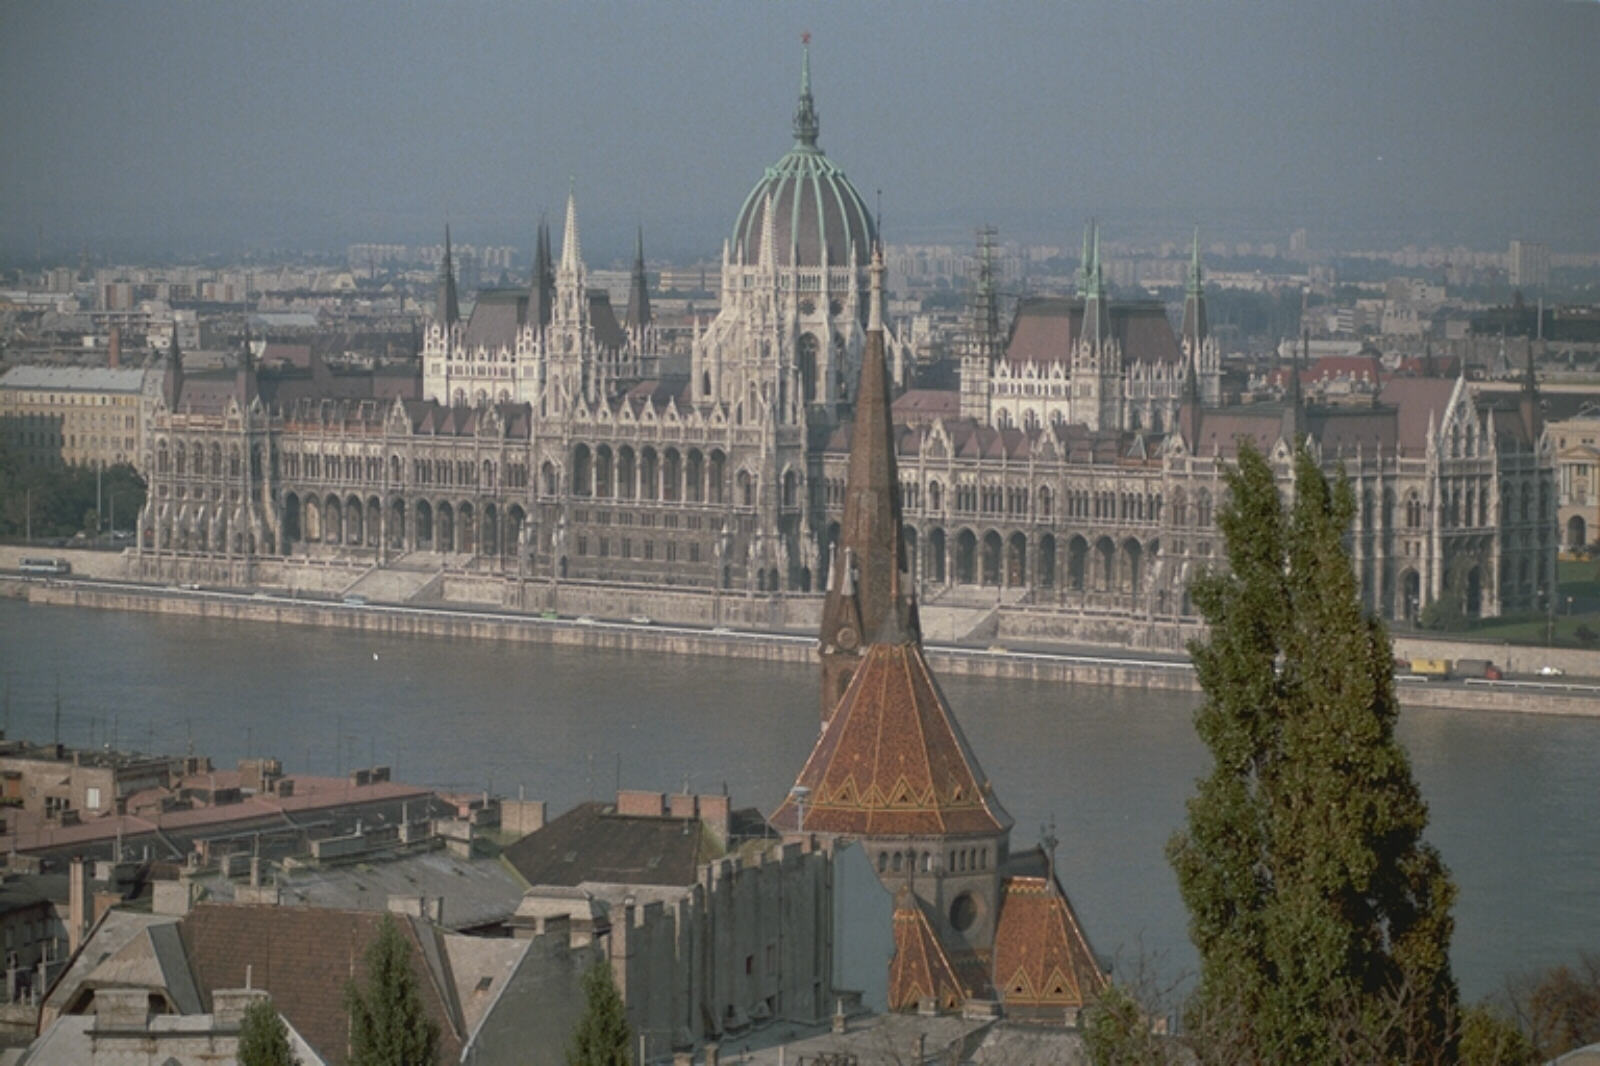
129	126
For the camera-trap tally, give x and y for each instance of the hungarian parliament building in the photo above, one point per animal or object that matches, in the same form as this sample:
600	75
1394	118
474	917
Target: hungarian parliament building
1078	467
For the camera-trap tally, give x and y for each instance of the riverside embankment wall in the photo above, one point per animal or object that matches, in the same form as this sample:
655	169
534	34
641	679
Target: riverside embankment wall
488	624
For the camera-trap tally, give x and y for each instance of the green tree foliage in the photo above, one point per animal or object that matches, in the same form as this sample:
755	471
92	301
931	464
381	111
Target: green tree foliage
388	1026
62	498
1489	1038
602	1036
1321	916
1117	1032
263	1038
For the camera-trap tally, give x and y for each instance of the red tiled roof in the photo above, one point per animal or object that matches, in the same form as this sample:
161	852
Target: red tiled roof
921	967
304	956
892	761
1041	957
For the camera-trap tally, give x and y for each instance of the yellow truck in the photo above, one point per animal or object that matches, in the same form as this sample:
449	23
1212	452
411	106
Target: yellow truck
1432	669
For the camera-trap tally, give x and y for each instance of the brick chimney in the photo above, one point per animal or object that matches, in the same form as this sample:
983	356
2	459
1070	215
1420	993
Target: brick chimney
77	893
114	348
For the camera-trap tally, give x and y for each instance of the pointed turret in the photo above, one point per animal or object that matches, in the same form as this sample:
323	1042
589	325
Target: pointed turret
571	253
1195	329
806	124
638	290
1530	406
172	380
244	375
1095	318
986	303
542	284
449	307
1294	412
868	588
1085	270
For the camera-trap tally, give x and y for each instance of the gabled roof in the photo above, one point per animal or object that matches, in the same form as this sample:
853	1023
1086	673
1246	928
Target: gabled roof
304	956
1046	328
892	761
1041	957
592	842
1415	400
608	332
496	319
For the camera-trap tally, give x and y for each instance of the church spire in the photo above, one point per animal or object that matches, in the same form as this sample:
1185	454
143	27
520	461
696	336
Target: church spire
638	289
542	286
867	598
449	306
806	124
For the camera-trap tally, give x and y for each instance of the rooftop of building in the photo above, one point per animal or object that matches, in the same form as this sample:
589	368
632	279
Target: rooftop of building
27	751
597	842
892	760
74	379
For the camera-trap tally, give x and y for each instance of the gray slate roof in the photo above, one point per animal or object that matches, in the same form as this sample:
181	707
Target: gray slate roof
75	378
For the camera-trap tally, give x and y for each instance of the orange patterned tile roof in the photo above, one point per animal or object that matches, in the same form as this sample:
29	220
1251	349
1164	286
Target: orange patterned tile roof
1041	957
921	967
892	761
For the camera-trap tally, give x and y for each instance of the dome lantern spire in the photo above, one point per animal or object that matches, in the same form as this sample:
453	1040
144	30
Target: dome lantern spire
806	125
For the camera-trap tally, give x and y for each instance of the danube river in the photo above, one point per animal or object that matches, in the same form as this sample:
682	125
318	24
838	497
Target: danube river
1515	799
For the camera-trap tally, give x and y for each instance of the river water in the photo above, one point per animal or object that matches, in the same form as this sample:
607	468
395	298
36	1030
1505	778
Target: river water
1515	799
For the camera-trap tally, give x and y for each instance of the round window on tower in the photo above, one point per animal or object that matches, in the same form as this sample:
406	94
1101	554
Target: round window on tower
835	307
964	911
808	306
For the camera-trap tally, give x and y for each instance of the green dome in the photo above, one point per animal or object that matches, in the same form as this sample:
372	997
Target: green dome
816	212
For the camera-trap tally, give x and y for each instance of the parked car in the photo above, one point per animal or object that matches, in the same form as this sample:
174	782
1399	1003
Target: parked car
1551	671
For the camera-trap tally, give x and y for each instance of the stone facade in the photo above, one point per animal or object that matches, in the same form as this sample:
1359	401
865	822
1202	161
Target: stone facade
1078	467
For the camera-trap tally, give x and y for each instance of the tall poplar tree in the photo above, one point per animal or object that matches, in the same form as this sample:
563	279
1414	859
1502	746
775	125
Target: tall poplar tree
602	1036
263	1038
388	1024
1321	916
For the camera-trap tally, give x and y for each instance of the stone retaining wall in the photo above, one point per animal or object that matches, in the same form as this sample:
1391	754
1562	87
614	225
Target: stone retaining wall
771	648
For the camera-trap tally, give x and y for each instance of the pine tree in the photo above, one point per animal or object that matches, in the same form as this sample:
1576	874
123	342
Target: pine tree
602	1036
388	1026
1321	916
263	1038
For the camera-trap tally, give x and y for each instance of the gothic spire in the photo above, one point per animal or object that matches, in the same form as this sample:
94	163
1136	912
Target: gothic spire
172	380
1295	413
1529	405
542	287
571	253
806	124
1194	336
449	306
1083	266
1194	300
638	288
1095	321
868	597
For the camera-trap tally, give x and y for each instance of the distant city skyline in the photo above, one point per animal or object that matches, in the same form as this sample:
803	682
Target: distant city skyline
161	127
